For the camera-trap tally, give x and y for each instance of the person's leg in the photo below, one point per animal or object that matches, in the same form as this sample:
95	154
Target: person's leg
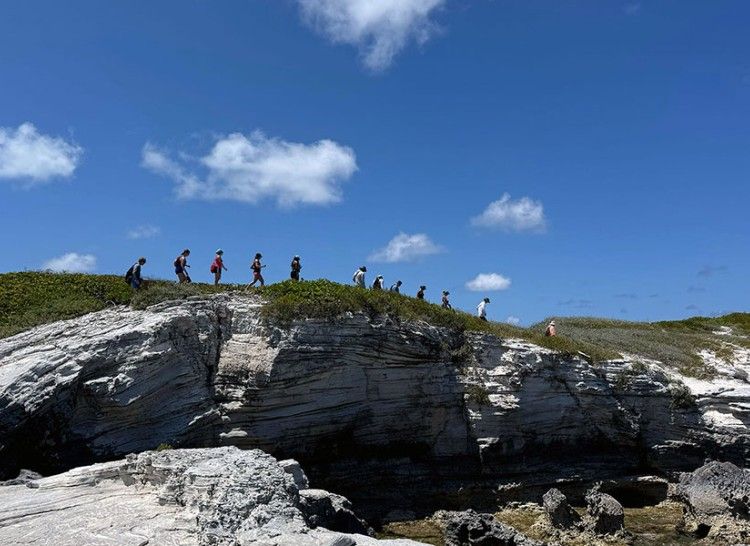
217	277
262	282
181	277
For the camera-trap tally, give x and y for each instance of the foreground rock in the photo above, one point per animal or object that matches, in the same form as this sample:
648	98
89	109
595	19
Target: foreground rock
221	497
472	529
560	513
605	514
717	500
392	414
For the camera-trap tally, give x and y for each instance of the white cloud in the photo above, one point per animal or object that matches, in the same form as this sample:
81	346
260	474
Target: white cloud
380	29
145	231
515	321
486	282
406	248
523	214
25	154
252	168
72	262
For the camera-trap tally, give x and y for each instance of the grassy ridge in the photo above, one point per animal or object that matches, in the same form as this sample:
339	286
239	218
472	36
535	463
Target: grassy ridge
32	298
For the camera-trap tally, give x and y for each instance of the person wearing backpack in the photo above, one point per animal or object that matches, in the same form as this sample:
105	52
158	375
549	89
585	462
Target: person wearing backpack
396	287
296	266
257	267
181	265
551	330
482	309
378	283
133	276
217	265
420	294
446	303
359	277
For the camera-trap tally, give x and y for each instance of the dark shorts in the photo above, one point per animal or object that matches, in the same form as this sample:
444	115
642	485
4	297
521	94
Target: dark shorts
295	275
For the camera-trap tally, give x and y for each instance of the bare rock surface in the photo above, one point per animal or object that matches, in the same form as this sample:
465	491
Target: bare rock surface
219	496
717	500
469	528
605	514
411	410
560	513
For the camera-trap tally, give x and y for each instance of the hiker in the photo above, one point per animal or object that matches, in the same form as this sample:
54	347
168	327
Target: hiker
217	266
482	309
446	303
359	277
296	268
133	276
551	331
396	287
378	284
256	267
420	294
181	265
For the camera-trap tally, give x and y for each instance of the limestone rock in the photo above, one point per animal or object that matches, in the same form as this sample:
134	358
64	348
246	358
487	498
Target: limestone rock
560	513
220	496
605	514
472	529
324	509
717	500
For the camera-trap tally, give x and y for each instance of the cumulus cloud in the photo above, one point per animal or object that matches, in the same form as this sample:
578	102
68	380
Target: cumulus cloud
486	282
252	168
72	262
509	214
27	155
406	248
515	321
379	29
145	231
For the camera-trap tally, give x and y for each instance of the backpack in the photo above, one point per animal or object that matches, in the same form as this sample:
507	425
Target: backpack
177	261
213	268
129	274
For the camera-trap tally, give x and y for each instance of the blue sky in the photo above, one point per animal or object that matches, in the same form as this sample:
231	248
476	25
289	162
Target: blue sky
593	153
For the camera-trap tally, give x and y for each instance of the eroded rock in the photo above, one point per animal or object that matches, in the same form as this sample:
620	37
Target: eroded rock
200	497
605	514
472	529
560	513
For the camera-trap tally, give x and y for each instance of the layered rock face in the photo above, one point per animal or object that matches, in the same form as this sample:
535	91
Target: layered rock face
220	497
406	408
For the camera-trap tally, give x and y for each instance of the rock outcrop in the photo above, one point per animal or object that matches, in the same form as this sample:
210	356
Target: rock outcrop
472	529
717	501
560	513
432	416
220	497
605	514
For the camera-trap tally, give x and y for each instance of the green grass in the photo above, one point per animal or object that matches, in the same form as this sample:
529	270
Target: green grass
32	298
676	343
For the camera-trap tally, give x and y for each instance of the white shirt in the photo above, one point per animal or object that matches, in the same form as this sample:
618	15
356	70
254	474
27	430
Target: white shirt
359	277
482	309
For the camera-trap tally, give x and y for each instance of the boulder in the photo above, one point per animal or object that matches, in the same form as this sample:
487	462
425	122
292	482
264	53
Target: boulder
334	512
605	514
717	501
560	513
472	529
294	469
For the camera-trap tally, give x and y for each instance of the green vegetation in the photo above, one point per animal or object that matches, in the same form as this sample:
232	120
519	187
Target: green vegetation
164	447
32	298
478	394
675	343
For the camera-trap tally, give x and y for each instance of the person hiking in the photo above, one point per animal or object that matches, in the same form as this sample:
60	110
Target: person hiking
217	265
257	267
181	265
551	331
482	308
133	276
296	268
420	294
396	287
378	284
359	277
446	303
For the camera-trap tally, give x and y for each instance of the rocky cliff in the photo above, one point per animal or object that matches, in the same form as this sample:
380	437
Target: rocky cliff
415	412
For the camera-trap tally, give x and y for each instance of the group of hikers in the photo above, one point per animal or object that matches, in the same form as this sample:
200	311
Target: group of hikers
135	280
